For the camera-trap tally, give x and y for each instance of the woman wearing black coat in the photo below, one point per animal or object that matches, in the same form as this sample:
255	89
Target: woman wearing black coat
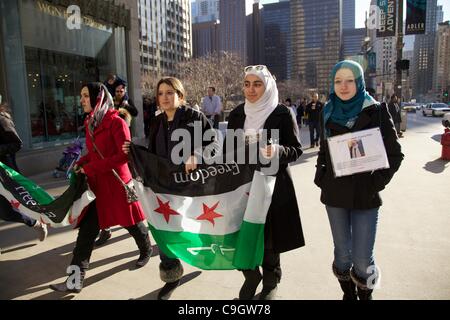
283	230
353	201
171	97
10	143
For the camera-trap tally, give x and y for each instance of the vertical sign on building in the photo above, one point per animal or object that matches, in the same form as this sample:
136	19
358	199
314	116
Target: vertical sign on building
415	16
387	18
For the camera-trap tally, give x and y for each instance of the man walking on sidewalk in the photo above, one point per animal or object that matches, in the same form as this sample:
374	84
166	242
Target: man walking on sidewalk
313	110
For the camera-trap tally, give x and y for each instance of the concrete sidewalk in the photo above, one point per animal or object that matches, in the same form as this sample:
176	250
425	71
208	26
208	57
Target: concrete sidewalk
412	246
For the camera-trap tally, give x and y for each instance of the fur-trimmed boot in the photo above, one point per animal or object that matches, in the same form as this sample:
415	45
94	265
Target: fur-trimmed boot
347	285
364	292
271	278
171	276
252	280
73	283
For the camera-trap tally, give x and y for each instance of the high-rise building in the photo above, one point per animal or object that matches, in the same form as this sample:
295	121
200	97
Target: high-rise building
165	35
424	50
205	38
352	41
255	35
234	26
205	11
439	15
277	39
316	41
442	59
348	14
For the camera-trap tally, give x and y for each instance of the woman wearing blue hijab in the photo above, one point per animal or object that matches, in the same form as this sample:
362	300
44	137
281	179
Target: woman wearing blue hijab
352	202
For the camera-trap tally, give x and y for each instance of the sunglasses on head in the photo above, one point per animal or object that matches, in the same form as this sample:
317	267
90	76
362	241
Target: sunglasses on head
258	67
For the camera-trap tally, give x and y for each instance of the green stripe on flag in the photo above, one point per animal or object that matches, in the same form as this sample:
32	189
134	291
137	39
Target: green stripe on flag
243	249
38	194
250	246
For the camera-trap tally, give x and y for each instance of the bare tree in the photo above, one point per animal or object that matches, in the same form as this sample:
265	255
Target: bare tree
223	70
149	81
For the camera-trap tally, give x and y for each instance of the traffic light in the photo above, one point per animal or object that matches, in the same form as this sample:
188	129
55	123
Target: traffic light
445	94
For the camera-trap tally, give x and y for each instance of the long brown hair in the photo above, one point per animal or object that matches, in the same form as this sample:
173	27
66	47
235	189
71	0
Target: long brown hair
4	107
175	83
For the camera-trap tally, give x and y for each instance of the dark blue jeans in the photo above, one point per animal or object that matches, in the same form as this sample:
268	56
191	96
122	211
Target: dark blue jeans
314	127
8	213
354	238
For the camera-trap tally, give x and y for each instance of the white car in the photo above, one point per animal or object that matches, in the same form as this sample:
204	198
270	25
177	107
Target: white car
435	109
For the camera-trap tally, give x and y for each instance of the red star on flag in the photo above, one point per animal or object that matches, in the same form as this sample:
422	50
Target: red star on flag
164	209
209	214
15	204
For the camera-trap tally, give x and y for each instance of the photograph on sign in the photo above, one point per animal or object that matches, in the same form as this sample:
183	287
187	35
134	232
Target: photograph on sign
356	152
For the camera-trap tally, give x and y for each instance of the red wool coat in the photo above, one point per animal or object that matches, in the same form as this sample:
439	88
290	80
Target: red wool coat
111	201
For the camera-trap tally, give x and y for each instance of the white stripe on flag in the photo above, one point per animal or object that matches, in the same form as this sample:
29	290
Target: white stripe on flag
231	206
262	188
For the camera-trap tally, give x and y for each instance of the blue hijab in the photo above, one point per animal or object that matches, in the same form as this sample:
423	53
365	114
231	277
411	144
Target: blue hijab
346	112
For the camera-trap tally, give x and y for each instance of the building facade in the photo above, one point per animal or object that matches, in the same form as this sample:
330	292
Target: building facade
348	14
205	38
424	50
205	11
235	26
47	51
316	41
277	39
442	59
165	35
352	41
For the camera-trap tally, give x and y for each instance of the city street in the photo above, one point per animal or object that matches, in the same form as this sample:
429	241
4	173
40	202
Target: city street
412	247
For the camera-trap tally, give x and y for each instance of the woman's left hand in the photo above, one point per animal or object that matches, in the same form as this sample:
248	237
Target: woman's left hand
191	164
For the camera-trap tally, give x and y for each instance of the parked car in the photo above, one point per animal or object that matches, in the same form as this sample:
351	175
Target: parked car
435	109
409	106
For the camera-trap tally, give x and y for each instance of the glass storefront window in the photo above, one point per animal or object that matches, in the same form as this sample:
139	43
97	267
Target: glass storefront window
58	61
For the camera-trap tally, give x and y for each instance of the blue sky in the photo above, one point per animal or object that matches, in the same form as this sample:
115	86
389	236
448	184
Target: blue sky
363	5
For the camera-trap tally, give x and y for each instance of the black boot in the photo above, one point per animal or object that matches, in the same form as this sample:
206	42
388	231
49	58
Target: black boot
73	283
364	292
104	236
140	235
349	289
270	280
347	285
252	280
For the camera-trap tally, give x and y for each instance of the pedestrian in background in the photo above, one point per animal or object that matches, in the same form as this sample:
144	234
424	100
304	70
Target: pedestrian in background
312	111
10	143
396	114
212	107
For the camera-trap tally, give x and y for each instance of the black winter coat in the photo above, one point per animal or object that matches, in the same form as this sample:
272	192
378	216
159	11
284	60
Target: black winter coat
358	191
10	142
160	132
283	229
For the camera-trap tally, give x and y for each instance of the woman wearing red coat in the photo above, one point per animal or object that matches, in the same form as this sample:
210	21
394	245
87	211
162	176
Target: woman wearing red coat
108	131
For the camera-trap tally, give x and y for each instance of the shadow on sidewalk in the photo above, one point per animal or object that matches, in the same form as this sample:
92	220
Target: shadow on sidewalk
436	166
18	234
33	274
154	294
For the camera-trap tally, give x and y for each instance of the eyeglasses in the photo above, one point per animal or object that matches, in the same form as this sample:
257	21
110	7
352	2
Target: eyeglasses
258	67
